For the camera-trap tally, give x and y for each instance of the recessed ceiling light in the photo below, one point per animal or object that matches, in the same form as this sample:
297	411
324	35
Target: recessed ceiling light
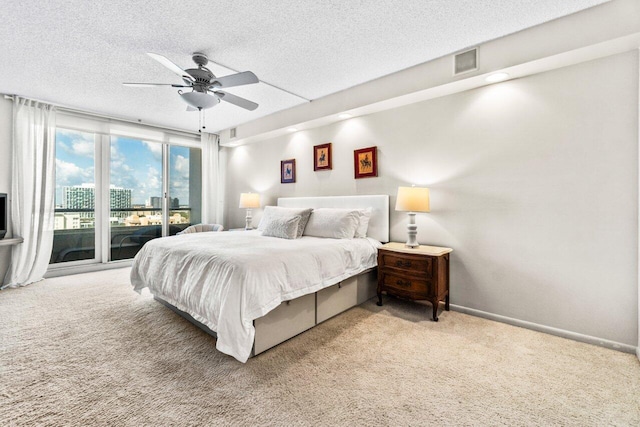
292	130
344	116
497	77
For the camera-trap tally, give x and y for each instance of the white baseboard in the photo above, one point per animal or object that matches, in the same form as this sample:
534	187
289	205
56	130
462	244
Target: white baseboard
549	330
86	268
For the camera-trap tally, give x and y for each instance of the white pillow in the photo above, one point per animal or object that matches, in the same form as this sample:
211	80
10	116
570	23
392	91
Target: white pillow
363	225
333	223
284	228
272	212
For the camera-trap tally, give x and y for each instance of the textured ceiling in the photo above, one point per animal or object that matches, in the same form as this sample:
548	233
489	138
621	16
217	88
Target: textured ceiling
76	53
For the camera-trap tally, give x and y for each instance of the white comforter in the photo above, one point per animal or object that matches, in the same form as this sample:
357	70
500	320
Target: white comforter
226	280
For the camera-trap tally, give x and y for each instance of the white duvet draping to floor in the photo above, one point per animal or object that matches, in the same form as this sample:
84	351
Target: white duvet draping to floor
226	280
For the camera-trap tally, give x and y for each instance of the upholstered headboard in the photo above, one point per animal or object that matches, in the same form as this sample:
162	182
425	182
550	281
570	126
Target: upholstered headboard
379	223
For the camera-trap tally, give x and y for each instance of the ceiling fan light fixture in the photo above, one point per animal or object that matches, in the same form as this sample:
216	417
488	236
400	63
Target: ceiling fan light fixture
205	84
200	100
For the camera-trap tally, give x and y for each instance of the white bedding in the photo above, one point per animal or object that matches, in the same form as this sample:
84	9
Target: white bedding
226	280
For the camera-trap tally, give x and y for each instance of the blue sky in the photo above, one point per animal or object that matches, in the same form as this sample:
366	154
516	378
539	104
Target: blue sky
134	164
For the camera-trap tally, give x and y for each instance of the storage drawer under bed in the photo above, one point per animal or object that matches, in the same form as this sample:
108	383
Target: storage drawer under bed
287	320
336	299
296	316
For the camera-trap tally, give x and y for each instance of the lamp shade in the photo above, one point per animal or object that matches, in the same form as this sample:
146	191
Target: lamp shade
412	199
249	200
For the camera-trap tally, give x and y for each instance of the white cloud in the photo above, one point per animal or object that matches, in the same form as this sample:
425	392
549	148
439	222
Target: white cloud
63	146
155	148
83	148
181	166
81	144
122	175
154	180
179	178
118	166
70	174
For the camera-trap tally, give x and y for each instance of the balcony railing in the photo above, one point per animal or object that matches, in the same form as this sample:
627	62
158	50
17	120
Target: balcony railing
131	228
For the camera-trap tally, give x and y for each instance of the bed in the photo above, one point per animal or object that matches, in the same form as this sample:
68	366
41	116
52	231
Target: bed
253	291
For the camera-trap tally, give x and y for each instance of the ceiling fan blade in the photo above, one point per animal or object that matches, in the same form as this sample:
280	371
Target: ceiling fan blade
152	84
236	100
170	65
238	79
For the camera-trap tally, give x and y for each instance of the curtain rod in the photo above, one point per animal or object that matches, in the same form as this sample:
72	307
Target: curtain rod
64	109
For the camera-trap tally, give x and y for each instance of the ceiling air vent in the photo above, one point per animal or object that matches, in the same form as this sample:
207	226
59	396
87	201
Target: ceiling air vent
465	62
232	133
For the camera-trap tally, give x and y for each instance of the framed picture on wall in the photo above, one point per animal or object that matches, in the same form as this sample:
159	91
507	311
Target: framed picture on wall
288	171
365	162
322	157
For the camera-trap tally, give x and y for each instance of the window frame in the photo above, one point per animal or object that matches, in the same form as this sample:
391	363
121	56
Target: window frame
103	129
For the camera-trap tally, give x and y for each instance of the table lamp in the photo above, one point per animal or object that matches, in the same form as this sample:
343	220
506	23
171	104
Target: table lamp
249	201
412	200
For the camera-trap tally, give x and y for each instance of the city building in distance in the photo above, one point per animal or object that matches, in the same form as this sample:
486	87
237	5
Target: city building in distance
78	206
78	209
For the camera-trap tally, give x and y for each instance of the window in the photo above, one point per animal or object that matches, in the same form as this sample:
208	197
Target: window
74	221
184	187
135	195
119	186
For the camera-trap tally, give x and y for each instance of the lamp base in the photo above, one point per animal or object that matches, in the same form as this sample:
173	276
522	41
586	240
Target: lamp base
248	219
412	231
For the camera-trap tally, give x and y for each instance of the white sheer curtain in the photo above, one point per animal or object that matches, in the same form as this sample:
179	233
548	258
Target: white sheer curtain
212	180
32	190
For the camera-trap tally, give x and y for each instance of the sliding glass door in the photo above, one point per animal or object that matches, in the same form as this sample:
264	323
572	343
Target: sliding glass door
135	195
115	193
184	187
75	213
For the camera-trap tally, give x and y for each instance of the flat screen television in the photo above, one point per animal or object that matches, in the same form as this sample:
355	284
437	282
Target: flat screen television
4	214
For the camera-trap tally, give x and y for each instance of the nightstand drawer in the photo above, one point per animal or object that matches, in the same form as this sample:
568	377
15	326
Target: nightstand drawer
416	265
407	285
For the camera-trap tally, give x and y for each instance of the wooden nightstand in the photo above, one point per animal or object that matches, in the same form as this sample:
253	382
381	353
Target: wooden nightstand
420	273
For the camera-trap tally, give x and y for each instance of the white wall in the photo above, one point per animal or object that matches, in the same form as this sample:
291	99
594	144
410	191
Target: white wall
596	32
534	184
6	126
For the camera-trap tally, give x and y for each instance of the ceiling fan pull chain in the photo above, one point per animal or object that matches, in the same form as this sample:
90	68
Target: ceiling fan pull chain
201	120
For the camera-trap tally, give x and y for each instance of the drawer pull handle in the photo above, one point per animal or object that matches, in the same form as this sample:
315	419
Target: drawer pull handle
404	283
405	264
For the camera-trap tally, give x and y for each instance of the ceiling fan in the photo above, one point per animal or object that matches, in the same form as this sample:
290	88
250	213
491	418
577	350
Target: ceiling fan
206	87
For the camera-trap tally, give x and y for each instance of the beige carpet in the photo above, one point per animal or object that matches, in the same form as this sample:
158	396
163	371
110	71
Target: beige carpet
87	350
